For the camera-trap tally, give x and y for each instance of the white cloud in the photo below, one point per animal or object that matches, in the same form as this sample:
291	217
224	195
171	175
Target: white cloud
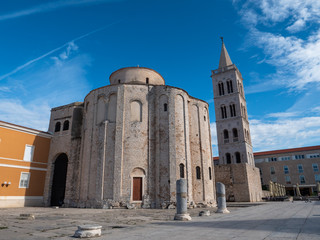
214	139
297	26
283	114
45	85
285	133
29	115
4	89
51	6
295	57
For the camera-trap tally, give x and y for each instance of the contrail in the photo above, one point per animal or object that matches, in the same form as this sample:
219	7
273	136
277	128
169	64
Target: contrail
17	69
51	6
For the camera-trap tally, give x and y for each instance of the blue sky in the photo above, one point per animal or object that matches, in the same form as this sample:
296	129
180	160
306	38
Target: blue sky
54	52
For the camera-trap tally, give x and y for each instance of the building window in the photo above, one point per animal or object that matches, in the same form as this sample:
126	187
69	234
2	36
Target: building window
57	127
317	177
229	86
238	158
272	171
204	118
210	173
285	169
181	166
225	136
147	80
119	81
24	180
165	107
221	88
300	168
272	159
28	153
65	125
235	135
315	167
287	179
198	173
228	157
314	155
285	158
224	112
302	179
232	110
299	157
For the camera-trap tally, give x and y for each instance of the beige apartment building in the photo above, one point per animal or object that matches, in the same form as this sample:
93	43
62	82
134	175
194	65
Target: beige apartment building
290	167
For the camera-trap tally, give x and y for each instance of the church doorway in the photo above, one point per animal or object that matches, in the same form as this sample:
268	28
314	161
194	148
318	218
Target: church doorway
137	185
59	180
137	189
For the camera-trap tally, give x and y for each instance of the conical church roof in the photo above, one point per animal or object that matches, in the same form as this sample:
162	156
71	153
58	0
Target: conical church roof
224	57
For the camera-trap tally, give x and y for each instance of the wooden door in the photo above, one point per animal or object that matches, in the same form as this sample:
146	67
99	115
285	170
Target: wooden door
137	189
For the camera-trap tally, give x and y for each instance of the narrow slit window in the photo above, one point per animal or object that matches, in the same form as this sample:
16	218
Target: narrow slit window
165	107
181	166
198	173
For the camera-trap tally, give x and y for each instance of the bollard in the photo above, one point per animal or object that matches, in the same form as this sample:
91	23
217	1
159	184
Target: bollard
181	195
221	197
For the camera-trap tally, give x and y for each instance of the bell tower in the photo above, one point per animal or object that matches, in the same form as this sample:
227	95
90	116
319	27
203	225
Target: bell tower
233	132
236	169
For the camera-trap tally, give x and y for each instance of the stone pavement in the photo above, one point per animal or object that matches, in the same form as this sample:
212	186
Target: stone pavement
273	220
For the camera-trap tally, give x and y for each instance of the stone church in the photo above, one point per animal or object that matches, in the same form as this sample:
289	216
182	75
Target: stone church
127	143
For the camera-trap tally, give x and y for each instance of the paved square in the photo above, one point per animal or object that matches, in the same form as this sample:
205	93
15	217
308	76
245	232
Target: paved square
274	220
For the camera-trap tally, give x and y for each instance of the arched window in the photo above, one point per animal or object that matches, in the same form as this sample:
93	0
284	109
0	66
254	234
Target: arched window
225	136
228	157
57	127
147	80
181	166
229	86
165	107
221	88
232	110
238	158
223	112
198	173
210	173
136	111
235	135
65	125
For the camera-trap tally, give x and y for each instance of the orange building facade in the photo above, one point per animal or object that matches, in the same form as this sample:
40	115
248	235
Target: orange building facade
23	165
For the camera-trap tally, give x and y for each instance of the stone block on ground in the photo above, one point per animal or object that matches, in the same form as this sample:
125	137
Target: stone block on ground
88	231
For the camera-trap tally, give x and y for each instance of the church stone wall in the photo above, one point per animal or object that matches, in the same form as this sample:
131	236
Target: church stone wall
241	180
133	130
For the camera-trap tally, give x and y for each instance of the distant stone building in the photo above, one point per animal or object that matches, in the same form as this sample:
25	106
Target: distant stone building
23	165
236	167
128	143
290	167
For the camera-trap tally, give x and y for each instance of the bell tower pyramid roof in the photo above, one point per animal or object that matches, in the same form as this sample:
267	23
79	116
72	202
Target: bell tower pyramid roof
224	57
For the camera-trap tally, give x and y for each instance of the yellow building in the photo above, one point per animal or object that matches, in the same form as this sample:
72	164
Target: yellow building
23	165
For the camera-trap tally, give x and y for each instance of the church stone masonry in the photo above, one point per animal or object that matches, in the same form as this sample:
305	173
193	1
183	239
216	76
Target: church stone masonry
236	167
128	143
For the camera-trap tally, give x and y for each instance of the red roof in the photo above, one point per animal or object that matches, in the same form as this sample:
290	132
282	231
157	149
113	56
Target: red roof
287	150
